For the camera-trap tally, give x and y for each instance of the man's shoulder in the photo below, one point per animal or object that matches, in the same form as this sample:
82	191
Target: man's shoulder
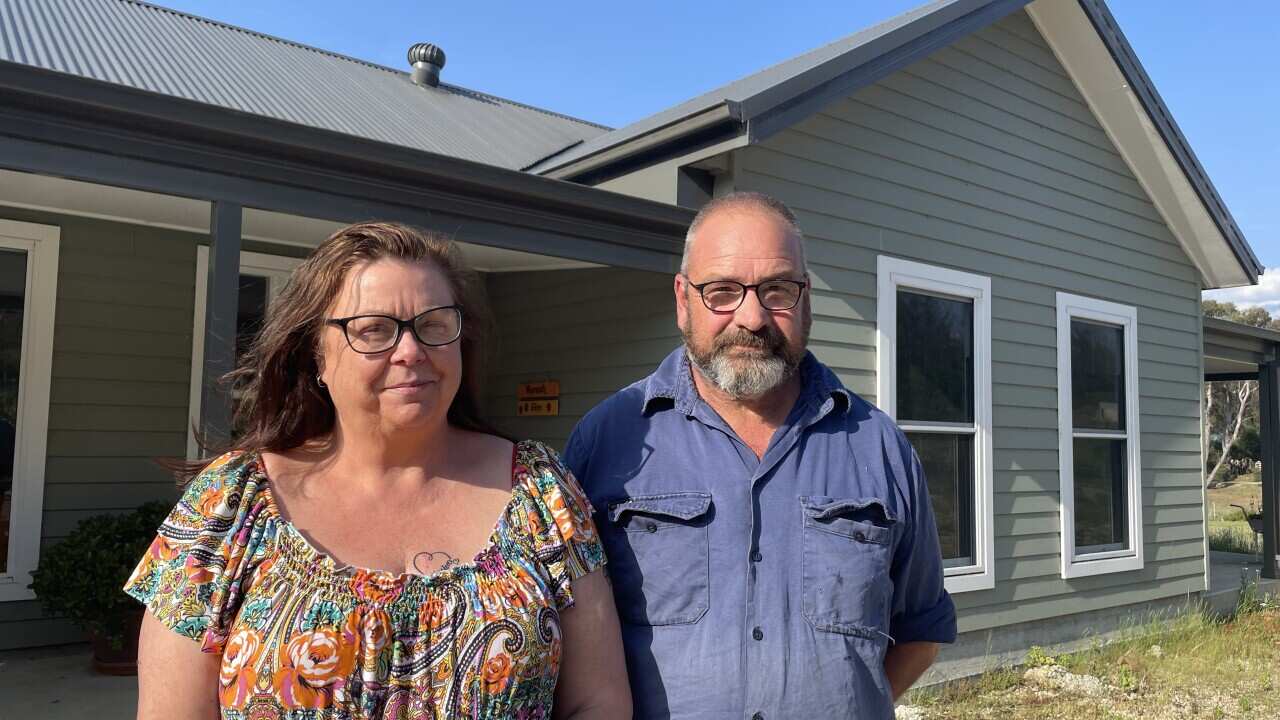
872	433
865	419
625	403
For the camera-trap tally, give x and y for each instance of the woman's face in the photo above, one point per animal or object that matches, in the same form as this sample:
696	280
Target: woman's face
409	386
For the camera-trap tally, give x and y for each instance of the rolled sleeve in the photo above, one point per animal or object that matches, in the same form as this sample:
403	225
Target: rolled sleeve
922	608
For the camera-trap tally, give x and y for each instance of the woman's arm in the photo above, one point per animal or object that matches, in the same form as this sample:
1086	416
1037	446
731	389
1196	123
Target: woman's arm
593	674
175	679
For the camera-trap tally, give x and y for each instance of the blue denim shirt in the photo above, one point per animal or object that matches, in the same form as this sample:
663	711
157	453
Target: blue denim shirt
761	587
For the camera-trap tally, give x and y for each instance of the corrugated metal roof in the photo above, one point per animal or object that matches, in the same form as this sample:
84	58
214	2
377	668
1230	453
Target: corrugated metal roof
744	89
148	47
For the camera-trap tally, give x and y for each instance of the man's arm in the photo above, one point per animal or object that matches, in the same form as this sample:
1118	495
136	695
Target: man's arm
923	614
905	663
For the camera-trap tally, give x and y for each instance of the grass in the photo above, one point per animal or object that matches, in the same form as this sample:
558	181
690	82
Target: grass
1233	536
1245	490
1204	667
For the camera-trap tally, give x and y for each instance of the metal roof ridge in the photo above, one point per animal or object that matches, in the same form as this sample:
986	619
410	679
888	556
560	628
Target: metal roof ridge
517	103
353	59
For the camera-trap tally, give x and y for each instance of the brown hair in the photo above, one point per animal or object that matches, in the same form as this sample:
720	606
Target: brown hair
281	406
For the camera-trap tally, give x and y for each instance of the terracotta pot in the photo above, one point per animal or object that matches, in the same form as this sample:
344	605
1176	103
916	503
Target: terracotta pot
118	661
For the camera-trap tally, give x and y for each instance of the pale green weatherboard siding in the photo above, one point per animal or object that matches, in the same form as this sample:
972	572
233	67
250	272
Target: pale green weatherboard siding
984	157
121	368
595	330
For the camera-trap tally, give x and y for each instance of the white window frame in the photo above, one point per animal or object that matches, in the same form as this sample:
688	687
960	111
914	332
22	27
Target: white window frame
894	273
41	244
1126	316
275	268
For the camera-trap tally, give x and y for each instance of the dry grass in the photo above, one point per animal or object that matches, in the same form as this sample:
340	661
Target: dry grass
1204	668
1245	491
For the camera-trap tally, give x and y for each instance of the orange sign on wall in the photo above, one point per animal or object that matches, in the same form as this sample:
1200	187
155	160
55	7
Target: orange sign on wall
526	408
545	389
538	399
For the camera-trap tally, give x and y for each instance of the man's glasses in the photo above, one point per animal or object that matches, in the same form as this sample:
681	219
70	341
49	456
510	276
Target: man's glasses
725	296
372	334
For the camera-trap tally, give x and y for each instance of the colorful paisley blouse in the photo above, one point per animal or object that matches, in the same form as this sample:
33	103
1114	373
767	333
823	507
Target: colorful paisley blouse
302	638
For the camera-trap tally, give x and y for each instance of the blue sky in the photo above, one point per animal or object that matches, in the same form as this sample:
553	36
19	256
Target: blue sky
1215	64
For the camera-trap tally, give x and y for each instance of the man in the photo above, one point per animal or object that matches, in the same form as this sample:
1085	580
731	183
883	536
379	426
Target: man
771	545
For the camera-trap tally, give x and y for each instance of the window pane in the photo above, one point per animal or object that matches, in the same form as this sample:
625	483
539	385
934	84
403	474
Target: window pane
948	468
935	358
1101	494
1097	376
250	311
13	285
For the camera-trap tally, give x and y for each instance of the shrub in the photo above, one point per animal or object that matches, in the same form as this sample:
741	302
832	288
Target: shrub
81	577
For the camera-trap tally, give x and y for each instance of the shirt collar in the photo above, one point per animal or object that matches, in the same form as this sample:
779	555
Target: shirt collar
673	382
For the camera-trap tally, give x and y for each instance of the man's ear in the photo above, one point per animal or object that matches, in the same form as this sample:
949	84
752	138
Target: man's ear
681	288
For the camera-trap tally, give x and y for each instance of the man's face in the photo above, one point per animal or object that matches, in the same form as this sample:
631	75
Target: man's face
748	351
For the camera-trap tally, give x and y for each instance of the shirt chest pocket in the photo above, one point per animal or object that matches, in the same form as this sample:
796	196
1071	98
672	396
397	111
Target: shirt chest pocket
659	557
848	546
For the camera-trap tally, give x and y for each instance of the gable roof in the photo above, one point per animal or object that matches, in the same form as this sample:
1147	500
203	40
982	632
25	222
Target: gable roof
156	49
745	101
759	105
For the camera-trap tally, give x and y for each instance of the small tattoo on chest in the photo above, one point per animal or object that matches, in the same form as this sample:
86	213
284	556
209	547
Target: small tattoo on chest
427	562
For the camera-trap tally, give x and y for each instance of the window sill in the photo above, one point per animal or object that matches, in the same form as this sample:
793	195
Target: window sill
968	579
11	590
1102	566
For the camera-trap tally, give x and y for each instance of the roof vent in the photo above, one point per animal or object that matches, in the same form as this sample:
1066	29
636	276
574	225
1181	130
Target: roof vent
427	61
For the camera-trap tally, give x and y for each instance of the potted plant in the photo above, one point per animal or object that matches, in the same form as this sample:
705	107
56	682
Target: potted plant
82	576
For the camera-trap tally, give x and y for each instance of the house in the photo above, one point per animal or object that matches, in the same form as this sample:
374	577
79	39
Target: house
991	182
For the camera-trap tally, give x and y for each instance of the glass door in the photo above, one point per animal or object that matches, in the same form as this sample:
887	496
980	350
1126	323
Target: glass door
13	290
28	288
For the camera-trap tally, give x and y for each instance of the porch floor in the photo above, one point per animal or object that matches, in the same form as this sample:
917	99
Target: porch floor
1227	572
57	683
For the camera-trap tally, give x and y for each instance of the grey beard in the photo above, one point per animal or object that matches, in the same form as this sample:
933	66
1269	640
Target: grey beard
745	379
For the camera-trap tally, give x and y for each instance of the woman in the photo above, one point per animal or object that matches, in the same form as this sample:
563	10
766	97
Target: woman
343	561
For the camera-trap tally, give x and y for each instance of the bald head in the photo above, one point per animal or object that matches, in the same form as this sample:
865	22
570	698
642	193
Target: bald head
745	202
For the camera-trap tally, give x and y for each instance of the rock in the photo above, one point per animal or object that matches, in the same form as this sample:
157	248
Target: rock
908	712
1054	677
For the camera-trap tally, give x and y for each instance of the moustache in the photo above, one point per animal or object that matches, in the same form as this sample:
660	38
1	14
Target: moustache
767	338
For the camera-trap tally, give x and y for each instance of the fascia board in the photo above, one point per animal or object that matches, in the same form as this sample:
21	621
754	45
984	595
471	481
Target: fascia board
1123	115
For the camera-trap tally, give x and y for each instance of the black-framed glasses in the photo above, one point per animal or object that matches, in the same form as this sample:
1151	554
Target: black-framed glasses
725	296
372	334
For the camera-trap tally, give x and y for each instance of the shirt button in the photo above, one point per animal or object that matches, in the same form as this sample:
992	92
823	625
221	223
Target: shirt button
651	527
758	634
756	556
860	537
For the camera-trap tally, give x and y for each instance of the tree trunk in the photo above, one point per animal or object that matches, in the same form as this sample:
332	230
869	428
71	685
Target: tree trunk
1207	421
1246	390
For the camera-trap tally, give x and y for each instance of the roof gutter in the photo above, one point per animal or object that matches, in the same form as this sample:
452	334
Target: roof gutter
727	116
1240	329
254	143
